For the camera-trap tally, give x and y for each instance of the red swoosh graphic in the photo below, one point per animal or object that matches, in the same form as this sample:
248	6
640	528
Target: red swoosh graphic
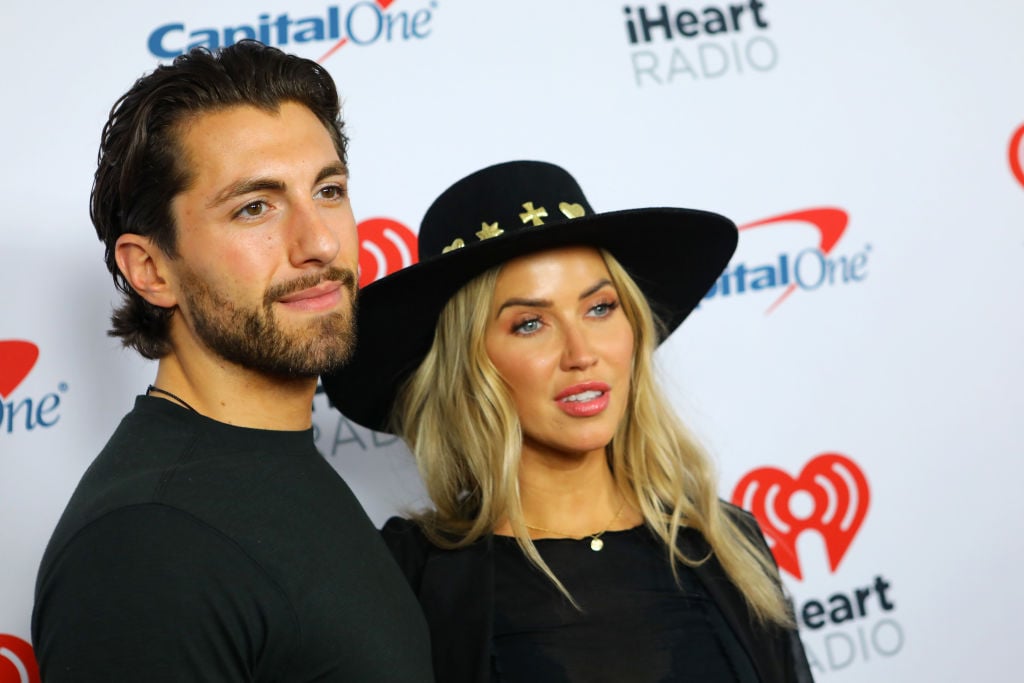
337	46
1015	165
384	4
17	358
828	221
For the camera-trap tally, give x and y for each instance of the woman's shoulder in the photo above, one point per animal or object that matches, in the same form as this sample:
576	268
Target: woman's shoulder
408	545
405	535
400	526
748	525
744	519
413	548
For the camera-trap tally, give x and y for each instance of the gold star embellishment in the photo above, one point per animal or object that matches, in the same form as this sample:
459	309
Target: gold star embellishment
489	230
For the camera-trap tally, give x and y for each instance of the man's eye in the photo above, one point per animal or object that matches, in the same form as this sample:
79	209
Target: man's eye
253	209
332	192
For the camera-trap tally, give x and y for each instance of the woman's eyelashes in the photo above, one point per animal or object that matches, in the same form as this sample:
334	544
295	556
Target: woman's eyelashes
531	323
527	326
603	309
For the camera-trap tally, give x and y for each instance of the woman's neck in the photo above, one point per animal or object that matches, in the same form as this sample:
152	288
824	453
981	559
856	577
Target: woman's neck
570	497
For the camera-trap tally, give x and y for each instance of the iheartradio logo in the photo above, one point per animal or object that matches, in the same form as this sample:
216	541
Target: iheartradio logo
17	662
385	245
1015	154
830	496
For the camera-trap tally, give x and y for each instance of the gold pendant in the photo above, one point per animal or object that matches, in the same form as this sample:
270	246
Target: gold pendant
596	544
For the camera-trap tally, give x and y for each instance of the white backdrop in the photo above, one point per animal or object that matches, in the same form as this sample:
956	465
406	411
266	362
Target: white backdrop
871	151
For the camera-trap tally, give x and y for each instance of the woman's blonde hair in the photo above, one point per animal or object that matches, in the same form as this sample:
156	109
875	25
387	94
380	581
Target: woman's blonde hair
458	418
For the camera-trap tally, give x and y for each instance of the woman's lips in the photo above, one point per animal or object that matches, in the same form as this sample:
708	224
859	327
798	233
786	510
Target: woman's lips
584	400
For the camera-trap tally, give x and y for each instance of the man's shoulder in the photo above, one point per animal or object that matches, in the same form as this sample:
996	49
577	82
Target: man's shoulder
136	574
130	468
129	487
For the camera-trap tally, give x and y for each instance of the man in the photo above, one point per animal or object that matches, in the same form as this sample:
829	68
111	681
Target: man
210	541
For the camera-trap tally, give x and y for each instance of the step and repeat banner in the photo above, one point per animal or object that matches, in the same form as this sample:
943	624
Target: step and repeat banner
856	371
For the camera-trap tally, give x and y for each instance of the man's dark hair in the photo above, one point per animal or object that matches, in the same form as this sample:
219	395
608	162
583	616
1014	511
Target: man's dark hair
142	166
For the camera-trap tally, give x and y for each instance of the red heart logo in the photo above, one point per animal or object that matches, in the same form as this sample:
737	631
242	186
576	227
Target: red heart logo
384	3
1015	154
17	661
385	245
839	498
16	360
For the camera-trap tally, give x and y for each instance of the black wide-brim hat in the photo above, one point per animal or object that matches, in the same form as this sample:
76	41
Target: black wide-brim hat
495	215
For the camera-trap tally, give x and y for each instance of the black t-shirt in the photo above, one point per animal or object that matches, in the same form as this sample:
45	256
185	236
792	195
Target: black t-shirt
635	624
194	550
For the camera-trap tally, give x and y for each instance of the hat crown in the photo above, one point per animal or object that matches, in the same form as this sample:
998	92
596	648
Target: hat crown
499	201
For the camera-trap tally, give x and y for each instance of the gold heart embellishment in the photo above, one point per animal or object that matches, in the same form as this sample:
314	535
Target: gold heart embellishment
571	210
457	244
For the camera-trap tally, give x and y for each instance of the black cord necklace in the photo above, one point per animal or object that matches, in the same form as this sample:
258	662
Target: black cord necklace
152	389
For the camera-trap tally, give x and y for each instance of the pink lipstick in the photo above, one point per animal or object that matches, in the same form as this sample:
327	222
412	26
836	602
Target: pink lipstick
584	400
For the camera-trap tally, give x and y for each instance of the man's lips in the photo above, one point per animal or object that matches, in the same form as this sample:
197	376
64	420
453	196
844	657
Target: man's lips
323	296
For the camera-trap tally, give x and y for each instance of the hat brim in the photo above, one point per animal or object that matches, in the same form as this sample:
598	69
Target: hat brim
673	254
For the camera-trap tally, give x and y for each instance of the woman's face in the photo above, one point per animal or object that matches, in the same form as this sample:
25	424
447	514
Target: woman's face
560	339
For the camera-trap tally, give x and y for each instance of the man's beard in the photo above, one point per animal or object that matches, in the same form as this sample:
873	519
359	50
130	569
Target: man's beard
253	338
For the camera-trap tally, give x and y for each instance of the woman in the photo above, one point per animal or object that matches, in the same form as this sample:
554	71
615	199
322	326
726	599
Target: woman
576	533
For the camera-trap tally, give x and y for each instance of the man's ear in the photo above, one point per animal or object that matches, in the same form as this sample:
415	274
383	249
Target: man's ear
144	265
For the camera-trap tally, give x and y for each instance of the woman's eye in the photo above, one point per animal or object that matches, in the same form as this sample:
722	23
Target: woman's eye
603	309
527	326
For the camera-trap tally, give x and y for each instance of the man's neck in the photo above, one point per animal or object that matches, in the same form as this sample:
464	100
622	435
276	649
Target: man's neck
238	396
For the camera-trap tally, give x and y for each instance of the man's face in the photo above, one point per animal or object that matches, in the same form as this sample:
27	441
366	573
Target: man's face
267	243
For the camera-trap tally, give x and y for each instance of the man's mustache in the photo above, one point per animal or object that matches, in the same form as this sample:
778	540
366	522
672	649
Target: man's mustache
345	276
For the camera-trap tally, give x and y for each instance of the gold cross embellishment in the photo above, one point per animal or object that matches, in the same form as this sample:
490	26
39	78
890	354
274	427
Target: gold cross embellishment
533	215
487	231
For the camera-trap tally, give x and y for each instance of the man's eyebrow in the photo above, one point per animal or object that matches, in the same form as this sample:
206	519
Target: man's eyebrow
546	303
332	169
244	187
261	184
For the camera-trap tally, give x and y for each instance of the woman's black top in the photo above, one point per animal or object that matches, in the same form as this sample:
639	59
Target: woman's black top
636	624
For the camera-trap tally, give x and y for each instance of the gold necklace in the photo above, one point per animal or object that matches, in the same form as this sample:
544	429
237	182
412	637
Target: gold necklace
595	539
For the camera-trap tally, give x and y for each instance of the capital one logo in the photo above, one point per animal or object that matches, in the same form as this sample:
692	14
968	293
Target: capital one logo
17	663
362	23
17	358
811	268
385	245
829	496
1015	154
